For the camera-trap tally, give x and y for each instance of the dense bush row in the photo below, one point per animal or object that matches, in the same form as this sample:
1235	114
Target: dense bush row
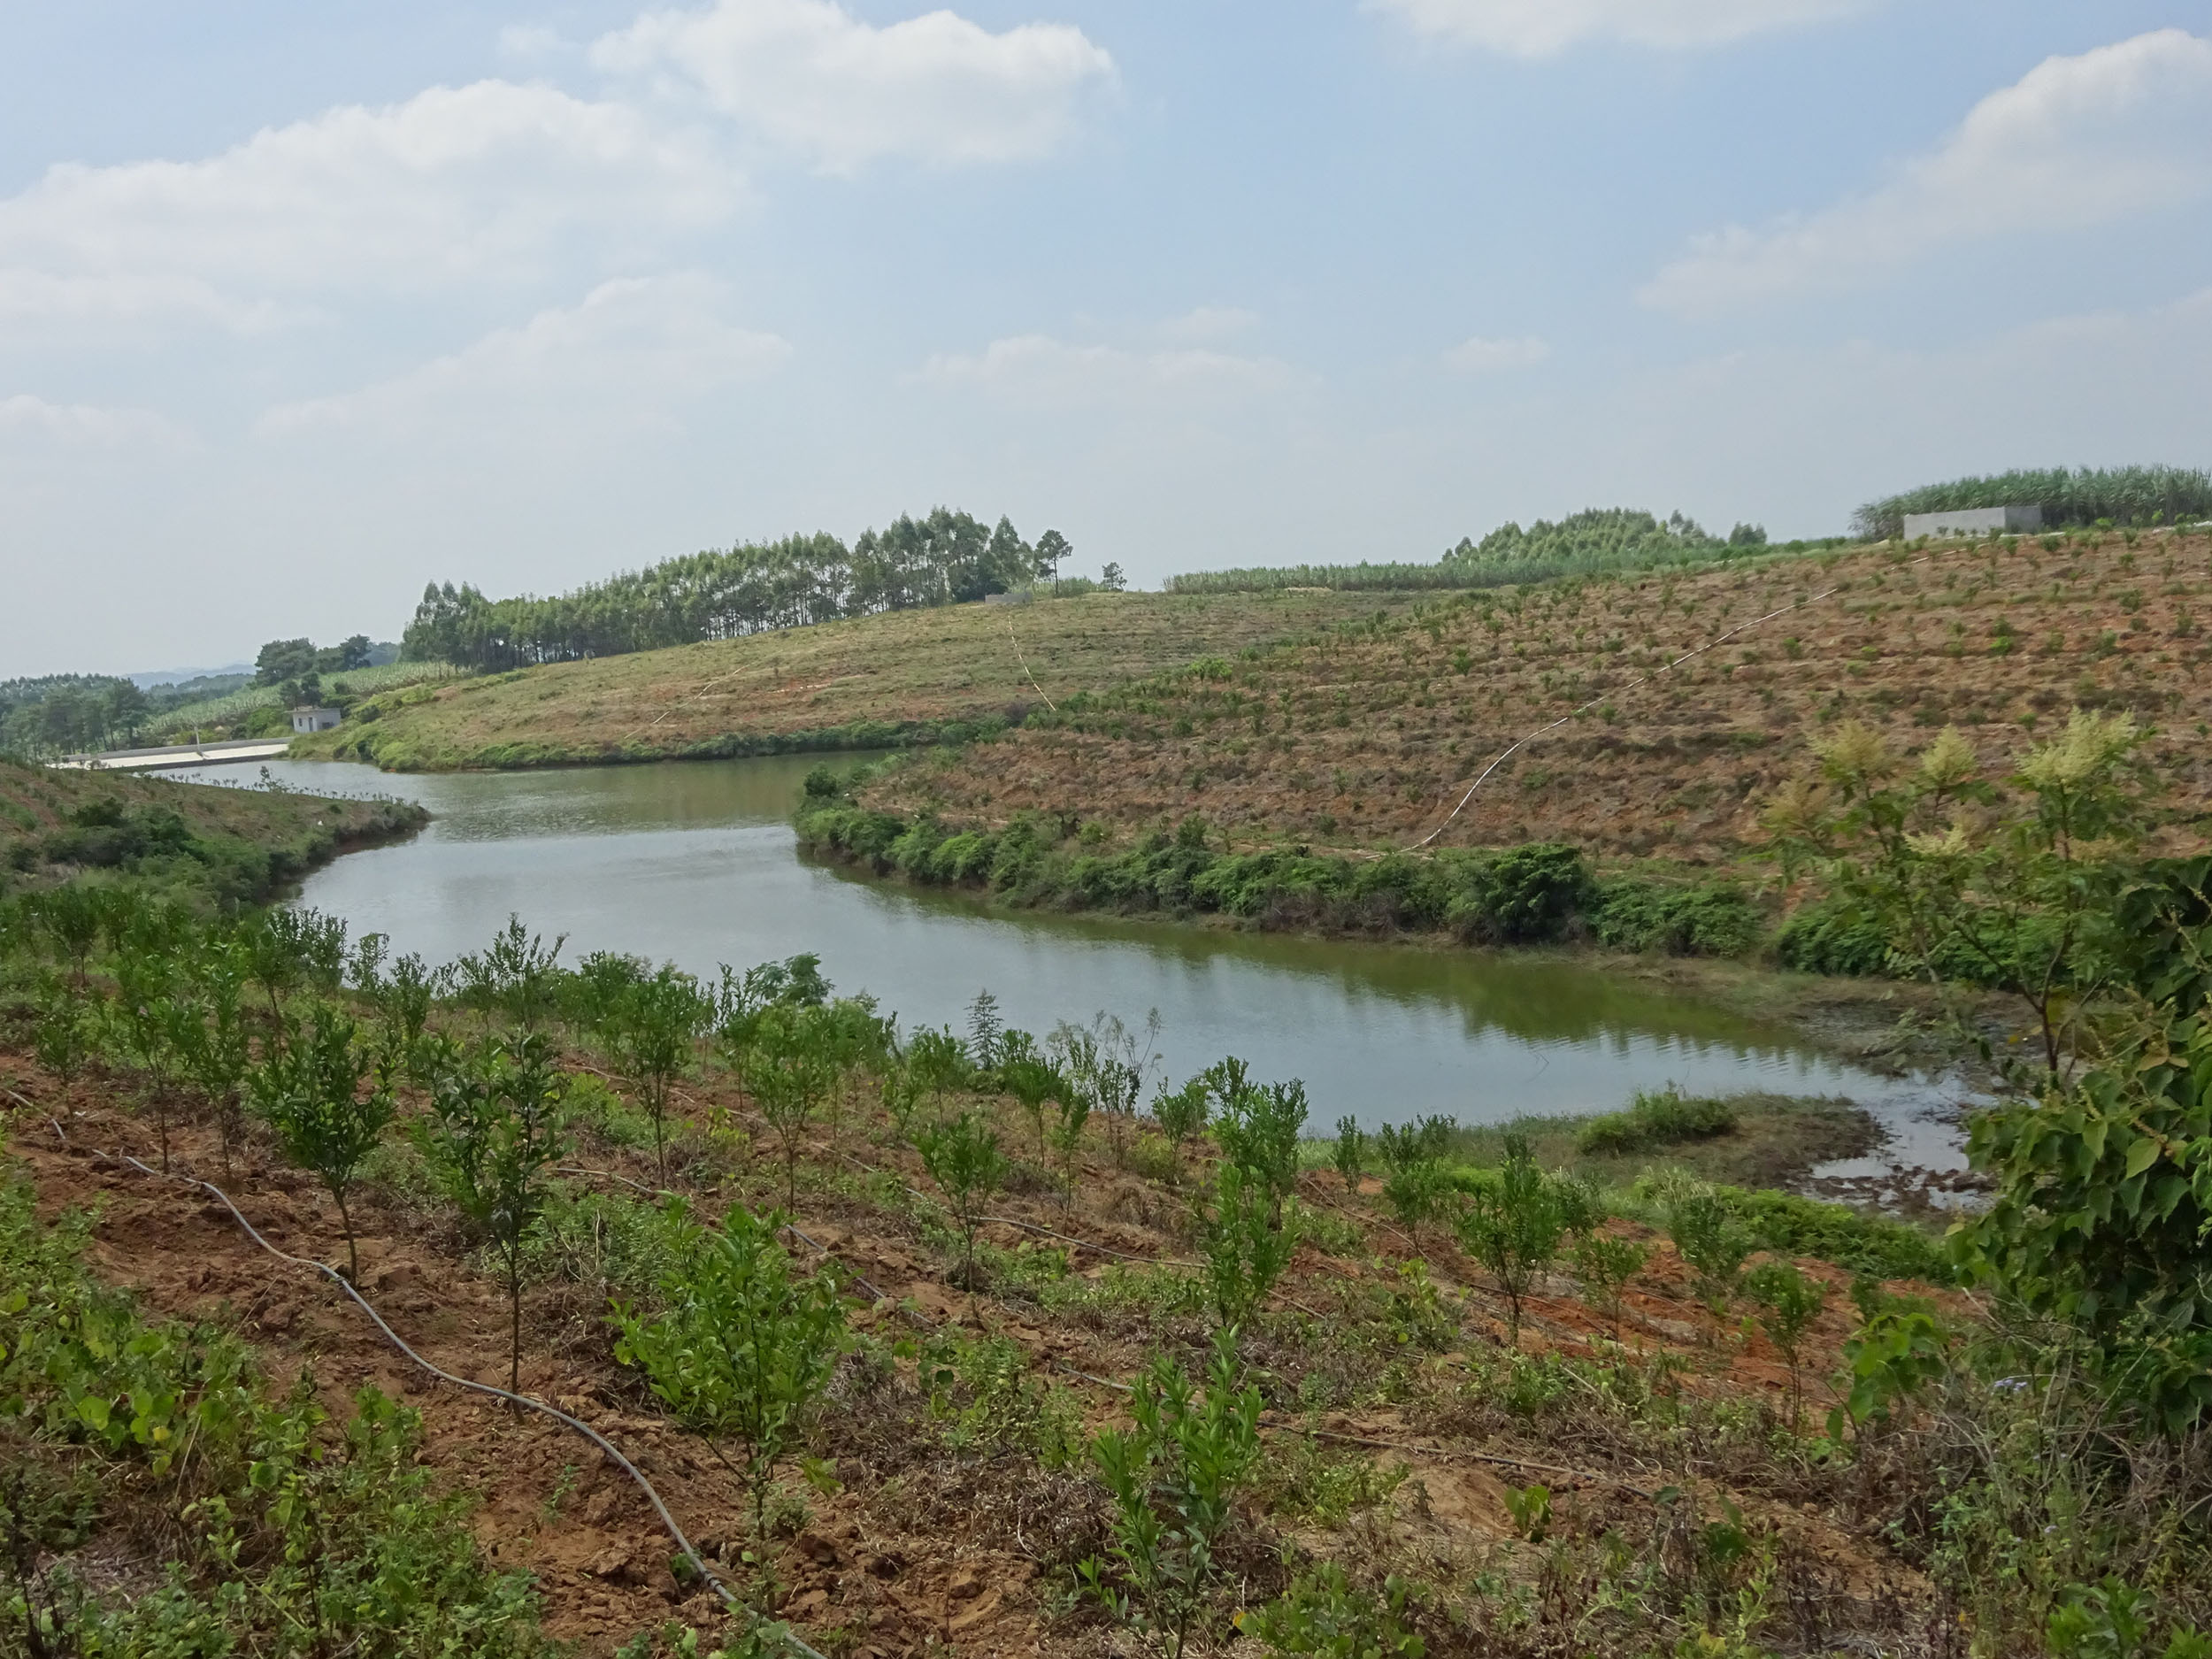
2120	495
405	751
1582	544
1538	894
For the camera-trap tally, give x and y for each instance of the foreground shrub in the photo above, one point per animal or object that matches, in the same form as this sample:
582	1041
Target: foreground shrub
745	1346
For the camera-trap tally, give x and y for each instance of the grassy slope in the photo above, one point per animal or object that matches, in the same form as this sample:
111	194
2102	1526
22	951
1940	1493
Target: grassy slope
234	844
873	680
1368	737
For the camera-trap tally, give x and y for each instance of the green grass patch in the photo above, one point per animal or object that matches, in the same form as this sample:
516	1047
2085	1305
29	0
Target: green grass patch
1664	1117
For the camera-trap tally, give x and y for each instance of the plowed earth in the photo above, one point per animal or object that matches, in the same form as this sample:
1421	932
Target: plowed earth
925	1546
1368	735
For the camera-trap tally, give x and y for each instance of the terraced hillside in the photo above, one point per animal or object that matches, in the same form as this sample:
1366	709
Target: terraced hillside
900	677
1367	736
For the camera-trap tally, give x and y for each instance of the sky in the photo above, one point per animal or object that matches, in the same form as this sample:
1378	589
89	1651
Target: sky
303	307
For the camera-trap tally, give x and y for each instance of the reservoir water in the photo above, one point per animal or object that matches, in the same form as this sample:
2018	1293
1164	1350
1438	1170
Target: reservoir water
695	863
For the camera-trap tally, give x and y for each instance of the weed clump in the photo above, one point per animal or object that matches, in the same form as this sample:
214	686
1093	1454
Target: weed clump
1655	1118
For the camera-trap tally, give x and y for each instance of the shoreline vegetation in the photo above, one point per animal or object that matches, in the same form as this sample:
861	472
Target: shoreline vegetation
210	849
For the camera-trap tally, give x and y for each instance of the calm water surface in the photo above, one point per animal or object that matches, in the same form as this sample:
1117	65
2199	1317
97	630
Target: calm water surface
696	862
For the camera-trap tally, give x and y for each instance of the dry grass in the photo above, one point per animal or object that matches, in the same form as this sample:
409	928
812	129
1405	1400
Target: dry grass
877	679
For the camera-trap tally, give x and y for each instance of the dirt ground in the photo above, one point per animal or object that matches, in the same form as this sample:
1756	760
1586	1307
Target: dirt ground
923	1545
1370	735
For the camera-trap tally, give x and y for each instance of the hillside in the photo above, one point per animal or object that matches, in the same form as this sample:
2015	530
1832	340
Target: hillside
898	676
1366	738
212	844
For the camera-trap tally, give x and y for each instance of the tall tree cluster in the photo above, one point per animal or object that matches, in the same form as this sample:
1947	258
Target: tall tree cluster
947	558
63	714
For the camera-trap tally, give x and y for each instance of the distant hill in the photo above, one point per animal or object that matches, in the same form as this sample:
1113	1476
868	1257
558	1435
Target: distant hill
146	680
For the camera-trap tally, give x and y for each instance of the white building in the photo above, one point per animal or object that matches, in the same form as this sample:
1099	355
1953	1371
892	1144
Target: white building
1974	521
305	719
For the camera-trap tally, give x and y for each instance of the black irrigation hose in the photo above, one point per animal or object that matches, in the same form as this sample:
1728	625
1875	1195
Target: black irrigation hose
675	1531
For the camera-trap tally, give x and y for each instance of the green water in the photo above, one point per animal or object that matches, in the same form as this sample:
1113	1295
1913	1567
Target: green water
696	862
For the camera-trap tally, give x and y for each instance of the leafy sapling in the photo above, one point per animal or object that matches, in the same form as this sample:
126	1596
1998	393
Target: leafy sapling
1712	1245
1603	1265
1259	1127
1789	1301
1321	1615
1513	1225
1173	1479
1425	1140
1033	1082
653	1028
493	1136
1181	1113
1244	1252
1419	1194
743	1345
1350	1152
789	1068
1067	1133
938	1061
964	1158
315	1090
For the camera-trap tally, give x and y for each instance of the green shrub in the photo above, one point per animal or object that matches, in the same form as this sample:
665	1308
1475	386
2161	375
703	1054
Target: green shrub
745	1346
1661	1118
1829	937
1715	918
1173	1479
1321	1615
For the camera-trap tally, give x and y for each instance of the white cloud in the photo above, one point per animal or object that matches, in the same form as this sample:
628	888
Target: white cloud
1490	357
84	423
457	184
630	350
1036	371
1540	28
809	75
2115	133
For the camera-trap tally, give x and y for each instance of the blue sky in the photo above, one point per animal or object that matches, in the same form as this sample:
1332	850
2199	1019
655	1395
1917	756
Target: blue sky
301	307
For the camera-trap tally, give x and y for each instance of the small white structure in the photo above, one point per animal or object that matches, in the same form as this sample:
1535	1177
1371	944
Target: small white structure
304	720
1974	521
1019	596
